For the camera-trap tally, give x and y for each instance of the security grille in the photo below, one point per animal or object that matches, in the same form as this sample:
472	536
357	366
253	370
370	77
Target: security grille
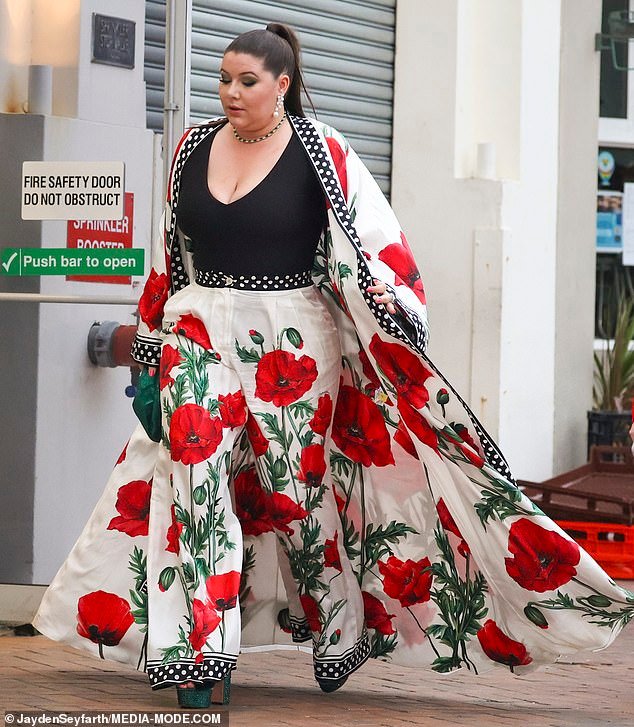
348	59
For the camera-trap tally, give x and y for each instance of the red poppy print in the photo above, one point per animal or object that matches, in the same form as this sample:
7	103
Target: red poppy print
501	648
409	582
471	451
448	523
194	434
232	409
401	436
340	299
251	509
369	373
399	258
133	506
282	511
312	465
340	501
322	416
311	611
223	590
206	620
174	533
418	425
123	454
463	433
359	429
446	519
403	369
259	443
153	300
193	329
103	617
477	460
170	357
282	378
542	559
376	615
332	559
339	159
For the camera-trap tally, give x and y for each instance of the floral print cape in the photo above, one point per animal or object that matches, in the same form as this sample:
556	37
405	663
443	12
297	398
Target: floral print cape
457	568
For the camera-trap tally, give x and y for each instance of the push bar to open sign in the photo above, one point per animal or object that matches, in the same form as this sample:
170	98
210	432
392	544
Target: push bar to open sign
22	261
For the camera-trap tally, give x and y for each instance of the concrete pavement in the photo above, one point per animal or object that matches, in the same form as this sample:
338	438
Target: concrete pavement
277	688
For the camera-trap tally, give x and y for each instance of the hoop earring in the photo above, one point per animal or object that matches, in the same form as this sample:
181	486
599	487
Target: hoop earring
279	104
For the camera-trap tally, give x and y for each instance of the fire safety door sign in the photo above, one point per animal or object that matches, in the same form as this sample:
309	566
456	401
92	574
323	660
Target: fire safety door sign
100	235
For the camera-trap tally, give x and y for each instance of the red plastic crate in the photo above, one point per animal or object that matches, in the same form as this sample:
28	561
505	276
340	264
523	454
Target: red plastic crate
610	544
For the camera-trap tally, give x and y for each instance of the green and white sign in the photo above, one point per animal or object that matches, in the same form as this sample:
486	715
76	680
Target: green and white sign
22	261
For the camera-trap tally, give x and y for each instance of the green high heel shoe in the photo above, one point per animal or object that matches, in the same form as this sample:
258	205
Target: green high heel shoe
202	696
221	691
196	697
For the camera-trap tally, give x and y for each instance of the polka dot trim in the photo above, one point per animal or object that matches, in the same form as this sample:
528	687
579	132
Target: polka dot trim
216	279
146	350
179	277
413	331
300	631
213	666
337	667
316	150
195	136
492	454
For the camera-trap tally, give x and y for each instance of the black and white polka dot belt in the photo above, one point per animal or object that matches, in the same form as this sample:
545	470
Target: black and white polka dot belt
215	279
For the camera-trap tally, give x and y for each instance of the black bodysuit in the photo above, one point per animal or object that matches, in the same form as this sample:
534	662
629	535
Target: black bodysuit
272	230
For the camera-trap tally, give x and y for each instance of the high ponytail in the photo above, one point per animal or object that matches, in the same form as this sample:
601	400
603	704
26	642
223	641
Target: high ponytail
278	48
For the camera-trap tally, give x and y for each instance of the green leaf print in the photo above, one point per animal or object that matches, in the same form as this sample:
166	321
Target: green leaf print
377	539
274	429
248	563
461	606
179	650
350	539
381	646
138	595
594	607
301	410
246	355
501	500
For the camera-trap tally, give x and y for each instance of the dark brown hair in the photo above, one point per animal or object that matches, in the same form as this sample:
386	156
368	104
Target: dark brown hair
278	48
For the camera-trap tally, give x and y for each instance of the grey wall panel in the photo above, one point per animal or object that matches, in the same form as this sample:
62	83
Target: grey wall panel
348	57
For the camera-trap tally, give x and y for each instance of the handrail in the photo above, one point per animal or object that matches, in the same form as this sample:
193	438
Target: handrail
43	298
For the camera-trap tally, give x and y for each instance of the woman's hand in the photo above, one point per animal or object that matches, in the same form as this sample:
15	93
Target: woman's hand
382	295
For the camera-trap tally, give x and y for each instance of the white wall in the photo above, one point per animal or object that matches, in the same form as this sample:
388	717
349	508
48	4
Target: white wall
83	417
442	215
575	294
59	34
495	255
15	53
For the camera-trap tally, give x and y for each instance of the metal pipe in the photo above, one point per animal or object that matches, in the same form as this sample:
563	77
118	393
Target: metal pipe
178	15
41	298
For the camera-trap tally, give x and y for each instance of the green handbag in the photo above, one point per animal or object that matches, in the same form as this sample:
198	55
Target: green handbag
147	404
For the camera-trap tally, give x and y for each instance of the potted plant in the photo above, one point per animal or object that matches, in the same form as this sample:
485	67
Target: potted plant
610	419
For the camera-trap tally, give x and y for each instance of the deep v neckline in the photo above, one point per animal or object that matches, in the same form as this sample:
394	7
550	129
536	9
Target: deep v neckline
254	188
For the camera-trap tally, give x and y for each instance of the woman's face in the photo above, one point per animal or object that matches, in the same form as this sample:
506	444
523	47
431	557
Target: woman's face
248	92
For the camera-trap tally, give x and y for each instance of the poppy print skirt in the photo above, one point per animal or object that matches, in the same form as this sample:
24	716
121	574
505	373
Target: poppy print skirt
269	514
247	380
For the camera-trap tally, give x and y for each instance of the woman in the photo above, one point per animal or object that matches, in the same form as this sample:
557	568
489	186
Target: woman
284	289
